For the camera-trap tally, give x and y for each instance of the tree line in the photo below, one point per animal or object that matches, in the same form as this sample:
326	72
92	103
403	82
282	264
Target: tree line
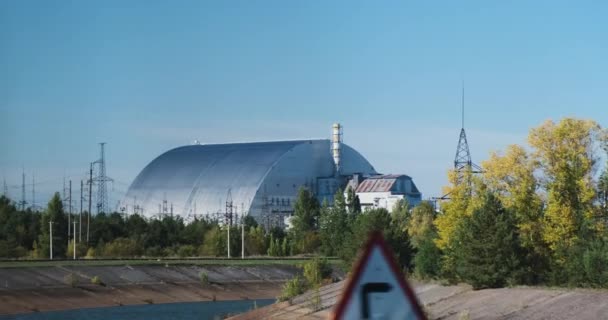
537	214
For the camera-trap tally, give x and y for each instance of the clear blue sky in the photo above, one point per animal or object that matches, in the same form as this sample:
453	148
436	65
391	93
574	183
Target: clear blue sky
146	76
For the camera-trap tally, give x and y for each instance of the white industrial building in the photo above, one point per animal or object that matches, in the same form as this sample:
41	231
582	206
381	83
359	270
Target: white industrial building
385	191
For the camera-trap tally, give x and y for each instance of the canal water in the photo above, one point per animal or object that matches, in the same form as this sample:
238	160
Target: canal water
170	311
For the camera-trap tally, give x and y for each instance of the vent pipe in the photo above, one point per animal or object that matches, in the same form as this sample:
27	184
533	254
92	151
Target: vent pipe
336	146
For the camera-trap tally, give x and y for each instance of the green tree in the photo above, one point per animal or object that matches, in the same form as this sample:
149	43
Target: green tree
376	220
333	225
427	261
487	247
54	213
306	212
565	153
256	241
421	222
214	244
352	200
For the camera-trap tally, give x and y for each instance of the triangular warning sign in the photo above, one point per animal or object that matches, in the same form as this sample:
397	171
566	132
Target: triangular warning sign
377	289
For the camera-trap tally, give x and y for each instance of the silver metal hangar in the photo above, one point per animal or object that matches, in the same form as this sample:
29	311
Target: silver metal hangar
258	178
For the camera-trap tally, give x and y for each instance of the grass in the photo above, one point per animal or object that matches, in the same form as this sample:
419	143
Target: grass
162	262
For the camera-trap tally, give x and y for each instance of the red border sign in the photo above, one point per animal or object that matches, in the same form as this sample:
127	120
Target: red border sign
376	239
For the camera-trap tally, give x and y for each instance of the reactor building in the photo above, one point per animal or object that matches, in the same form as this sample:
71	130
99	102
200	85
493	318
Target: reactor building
260	179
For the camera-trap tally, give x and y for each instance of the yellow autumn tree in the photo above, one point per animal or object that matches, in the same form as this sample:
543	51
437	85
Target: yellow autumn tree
565	154
453	210
510	176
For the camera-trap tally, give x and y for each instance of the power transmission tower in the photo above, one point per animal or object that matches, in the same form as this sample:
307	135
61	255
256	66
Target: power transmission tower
5	191
90	182
228	216
463	165
101	180
80	214
33	193
229	209
462	160
22	203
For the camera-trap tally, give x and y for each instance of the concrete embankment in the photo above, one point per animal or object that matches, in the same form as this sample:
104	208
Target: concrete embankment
459	302
37	289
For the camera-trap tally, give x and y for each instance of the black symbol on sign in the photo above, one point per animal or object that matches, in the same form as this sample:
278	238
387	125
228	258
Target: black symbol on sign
381	287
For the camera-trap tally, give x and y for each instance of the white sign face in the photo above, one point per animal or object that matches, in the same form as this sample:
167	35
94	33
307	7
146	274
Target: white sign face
377	289
378	294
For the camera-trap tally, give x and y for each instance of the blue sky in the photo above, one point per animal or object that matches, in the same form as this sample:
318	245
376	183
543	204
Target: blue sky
146	76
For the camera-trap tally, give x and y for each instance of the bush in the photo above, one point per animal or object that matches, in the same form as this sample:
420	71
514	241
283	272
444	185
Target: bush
81	250
123	247
316	270
71	280
292	288
154	251
204	278
595	264
97	280
186	251
91	254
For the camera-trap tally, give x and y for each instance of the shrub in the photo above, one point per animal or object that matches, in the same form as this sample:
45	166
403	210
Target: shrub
81	250
91	254
292	288
316	270
71	280
204	278
122	247
186	251
595	264
315	300
97	280
154	251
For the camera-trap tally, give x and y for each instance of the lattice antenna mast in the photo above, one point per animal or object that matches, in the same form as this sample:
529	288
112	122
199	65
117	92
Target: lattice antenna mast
462	161
101	180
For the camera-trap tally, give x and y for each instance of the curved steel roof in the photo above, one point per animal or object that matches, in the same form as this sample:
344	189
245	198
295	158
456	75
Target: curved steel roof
196	178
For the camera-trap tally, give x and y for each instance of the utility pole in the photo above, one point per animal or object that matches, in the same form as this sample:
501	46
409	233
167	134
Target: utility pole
33	192
23	202
51	239
69	209
74	240
80	215
229	207
242	231
90	199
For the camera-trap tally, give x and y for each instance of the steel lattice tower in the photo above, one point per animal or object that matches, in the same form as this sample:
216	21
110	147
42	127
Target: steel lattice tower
462	160
22	203
101	179
5	191
229	209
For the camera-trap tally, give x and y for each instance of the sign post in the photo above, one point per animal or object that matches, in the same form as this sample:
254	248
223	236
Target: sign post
377	289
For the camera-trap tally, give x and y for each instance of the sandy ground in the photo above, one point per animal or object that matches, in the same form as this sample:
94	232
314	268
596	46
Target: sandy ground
460	302
43	289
